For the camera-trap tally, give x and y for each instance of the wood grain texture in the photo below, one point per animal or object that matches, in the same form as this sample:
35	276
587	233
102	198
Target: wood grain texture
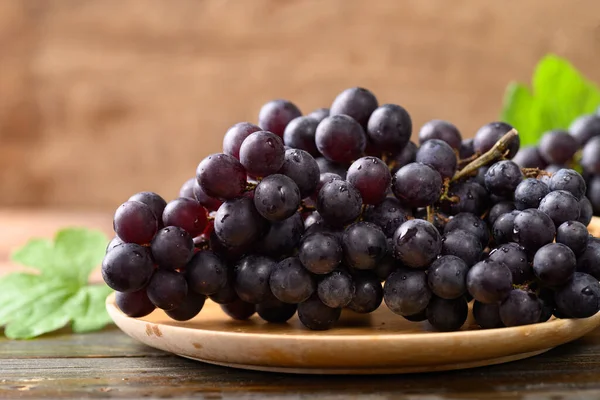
97	104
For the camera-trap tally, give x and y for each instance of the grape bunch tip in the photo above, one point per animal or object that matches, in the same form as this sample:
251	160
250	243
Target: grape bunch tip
338	208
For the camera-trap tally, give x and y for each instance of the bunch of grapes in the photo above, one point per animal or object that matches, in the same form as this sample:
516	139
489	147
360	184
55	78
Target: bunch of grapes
339	209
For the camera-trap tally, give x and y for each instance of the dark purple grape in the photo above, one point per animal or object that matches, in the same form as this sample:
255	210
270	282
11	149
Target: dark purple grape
529	193
530	157
442	130
554	264
235	136
561	206
520	308
364	245
532	229
156	203
514	257
275	311
252	278
320	253
357	102
340	139
487	136
371	177
463	245
502	231
489	281
206	273
586	210
439	156
172	247
262	154
187	214
386	266
326	166
390	128
589	260
134	222
503	177
469	223
406	292
277	197
590	156
134	304
300	134
227	293
447	315
336	290
487	316
569	180
417	243
189	308
228	253
127	267
187	190
210	203
238	223
472	198
221	176
388	215
417	185
315	315
546	298
167	289
584	128
339	203
368	293
275	115
447	277
114	242
302	169
574	235
580	297
558	147
319	114
405	156
502	208
290	282
466	149
418	317
282	237
239	310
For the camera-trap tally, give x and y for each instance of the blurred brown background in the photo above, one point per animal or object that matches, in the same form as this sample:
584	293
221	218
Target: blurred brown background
100	99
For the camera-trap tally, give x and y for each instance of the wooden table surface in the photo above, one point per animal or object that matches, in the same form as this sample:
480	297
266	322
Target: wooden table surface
110	364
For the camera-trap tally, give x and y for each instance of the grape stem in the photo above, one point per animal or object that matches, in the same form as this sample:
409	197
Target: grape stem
495	153
430	214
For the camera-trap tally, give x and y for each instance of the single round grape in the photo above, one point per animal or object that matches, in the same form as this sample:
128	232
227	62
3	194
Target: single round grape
405	156
252	278
172	247
290	282
442	130
406	292
371	177
561	206
390	128
275	115
586	210
529	193
463	245
238	223
134	304
580	297
487	136
447	315
127	267
187	214
234	137
320	253
417	185
590	156
262	154
300	134
339	202
502	208
315	315
134	222
470	223
554	264
569	180
167	289
189	308
489	281
277	197
319	114
368	293
584	128
282	237
558	147
340	139
221	176
239	310
417	243
503	229
326	166
503	177
589	260
210	203
206	273
364	245
439	156
487	316
447	277
275	311
520	308
114	242
530	157
388	215
574	235
514	257
302	168
336	289
356	102
472	198
156	203
187	190
532	229
466	149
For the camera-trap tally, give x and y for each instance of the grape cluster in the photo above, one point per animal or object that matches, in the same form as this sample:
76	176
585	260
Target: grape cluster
339	209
